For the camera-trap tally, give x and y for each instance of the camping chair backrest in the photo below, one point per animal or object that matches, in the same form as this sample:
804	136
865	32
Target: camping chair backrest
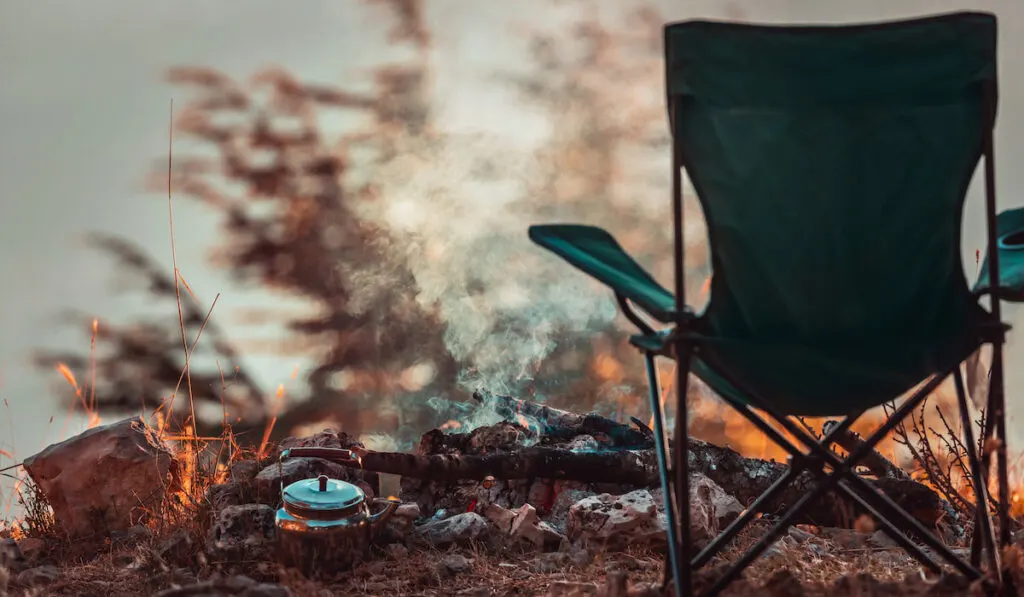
832	165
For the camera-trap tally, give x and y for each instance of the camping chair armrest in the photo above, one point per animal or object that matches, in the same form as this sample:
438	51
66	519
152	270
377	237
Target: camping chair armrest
597	253
1010	243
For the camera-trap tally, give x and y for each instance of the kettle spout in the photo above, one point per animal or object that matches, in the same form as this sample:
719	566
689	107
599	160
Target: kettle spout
378	519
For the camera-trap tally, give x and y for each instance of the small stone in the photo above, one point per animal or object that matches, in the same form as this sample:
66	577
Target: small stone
475	592
453	564
243	532
38	576
223	495
500	517
564	499
244	471
398	525
408	511
528	528
461	528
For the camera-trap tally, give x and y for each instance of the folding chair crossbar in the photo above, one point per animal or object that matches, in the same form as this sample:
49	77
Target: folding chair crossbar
833	461
843	479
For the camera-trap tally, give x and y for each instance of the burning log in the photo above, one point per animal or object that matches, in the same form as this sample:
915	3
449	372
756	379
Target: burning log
564	425
626	467
744	478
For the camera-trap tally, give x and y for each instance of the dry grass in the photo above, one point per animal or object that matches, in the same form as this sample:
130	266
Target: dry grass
837	572
822	565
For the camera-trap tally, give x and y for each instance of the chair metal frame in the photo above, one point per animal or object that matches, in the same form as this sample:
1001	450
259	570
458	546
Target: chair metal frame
684	343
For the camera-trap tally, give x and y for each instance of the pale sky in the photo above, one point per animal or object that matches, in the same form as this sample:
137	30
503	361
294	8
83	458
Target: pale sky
84	112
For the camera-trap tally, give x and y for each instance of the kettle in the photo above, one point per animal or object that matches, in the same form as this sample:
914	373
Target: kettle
325	524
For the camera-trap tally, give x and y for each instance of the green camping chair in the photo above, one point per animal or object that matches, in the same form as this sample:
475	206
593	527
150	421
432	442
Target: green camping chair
832	164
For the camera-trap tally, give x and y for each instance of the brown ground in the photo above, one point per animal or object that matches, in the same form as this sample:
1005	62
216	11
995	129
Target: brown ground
817	566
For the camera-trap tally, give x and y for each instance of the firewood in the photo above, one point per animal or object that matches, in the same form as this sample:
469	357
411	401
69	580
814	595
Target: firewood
562	424
744	478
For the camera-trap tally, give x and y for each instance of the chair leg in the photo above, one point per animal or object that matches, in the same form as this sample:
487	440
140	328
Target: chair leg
984	538
997	413
684	587
674	560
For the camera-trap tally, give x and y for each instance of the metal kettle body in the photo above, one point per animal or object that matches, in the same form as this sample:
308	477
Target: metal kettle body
326	524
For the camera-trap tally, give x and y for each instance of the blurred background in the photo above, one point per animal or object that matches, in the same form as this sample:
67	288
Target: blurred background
352	182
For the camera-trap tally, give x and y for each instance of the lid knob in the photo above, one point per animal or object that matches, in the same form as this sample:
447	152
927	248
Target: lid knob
323	482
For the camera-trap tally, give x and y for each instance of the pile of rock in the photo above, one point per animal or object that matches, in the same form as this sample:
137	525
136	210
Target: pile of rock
106	480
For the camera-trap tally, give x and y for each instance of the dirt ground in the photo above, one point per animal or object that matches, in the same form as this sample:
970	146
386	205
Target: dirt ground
813	567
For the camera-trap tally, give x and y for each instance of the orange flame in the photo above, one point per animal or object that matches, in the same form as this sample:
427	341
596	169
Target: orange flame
273	420
68	375
450	425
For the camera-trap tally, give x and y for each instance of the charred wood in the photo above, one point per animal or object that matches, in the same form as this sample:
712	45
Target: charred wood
560	424
745	478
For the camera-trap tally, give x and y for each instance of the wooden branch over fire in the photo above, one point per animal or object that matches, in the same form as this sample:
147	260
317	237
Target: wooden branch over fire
628	467
745	478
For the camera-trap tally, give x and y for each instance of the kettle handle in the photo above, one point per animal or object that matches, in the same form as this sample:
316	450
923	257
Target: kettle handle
390	506
338	455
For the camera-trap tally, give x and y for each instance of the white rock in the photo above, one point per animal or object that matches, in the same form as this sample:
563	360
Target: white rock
638	517
500	517
461	528
409	511
527	527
